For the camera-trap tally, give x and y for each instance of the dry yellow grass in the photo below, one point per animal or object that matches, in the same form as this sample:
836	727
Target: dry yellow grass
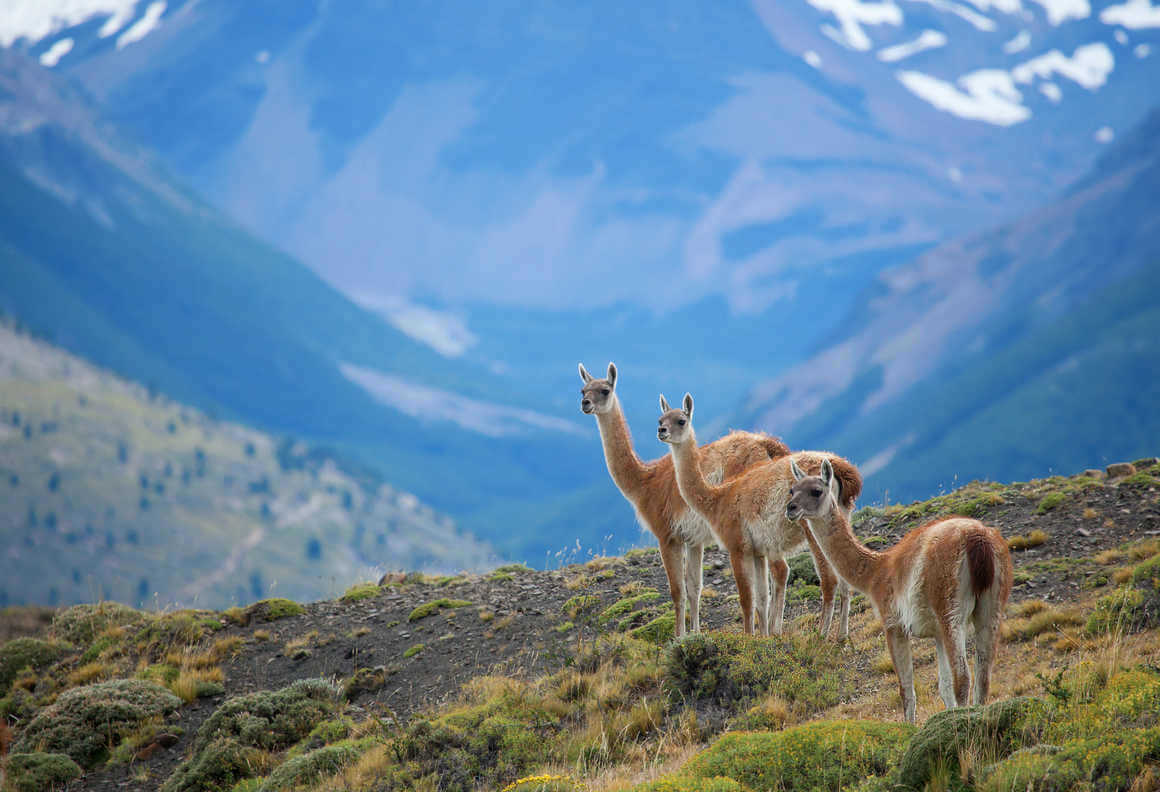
189	682
1028	608
578	581
1089	513
1033	539
90	672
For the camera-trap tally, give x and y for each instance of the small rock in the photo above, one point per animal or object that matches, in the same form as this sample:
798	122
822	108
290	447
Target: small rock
1083	532
1120	469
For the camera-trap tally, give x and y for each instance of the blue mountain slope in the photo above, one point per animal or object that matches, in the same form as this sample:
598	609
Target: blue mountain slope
1050	366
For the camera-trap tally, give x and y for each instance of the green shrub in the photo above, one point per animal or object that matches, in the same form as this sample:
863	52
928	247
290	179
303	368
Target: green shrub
272	720
803	593
991	731
360	591
622	607
1050	501
1134	607
823	755
40	772
366	680
80	624
22	653
434	606
691	784
85	721
731	668
802	571
219	764
659	631
308	768
580	606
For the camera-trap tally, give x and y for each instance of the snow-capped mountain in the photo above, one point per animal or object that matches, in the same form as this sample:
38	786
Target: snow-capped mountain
580	155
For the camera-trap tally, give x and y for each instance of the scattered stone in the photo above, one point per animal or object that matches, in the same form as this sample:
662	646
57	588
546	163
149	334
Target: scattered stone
1083	532
1120	469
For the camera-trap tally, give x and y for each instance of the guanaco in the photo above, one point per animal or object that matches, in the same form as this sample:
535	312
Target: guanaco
651	488
747	513
939	578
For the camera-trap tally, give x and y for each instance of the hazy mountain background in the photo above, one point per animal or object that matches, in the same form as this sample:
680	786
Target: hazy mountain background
923	234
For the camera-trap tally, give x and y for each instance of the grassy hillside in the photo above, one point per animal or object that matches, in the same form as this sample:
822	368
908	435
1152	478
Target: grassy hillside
110	491
569	680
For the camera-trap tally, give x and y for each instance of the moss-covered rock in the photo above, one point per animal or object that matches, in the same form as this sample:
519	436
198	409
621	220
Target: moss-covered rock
80	624
273	609
434	606
992	731
40	772
85	721
22	653
823	755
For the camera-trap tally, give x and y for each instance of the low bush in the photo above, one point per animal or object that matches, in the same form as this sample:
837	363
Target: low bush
21	653
304	770
360	591
40	772
85	721
80	624
728	669
823	755
434	606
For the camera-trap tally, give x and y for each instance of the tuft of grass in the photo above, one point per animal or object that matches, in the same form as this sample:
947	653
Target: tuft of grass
90	672
1050	501
26	653
1033	539
361	591
620	608
434	606
411	651
581	605
1049	619
195	683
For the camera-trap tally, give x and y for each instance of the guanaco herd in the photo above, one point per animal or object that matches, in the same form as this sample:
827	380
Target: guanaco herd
748	493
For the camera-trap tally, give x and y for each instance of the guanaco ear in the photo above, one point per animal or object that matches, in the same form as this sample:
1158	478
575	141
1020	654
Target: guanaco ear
688	405
664	404
798	473
828	477
584	375
612	374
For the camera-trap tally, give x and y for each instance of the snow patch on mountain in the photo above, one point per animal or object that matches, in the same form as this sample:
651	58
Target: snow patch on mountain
433	404
143	26
444	332
991	95
985	95
1088	66
35	20
928	39
1134	15
51	56
852	15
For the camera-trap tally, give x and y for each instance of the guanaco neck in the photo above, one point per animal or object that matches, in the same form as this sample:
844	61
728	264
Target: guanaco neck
855	562
697	492
625	467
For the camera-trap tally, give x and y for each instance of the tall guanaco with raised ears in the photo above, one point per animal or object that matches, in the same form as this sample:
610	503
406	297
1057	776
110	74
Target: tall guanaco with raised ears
651	488
747	513
939	578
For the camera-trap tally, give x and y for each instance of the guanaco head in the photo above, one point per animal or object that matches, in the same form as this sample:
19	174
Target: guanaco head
675	426
812	497
597	395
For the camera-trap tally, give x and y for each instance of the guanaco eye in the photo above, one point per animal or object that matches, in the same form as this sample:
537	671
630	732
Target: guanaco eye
817	493
681	422
606	391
